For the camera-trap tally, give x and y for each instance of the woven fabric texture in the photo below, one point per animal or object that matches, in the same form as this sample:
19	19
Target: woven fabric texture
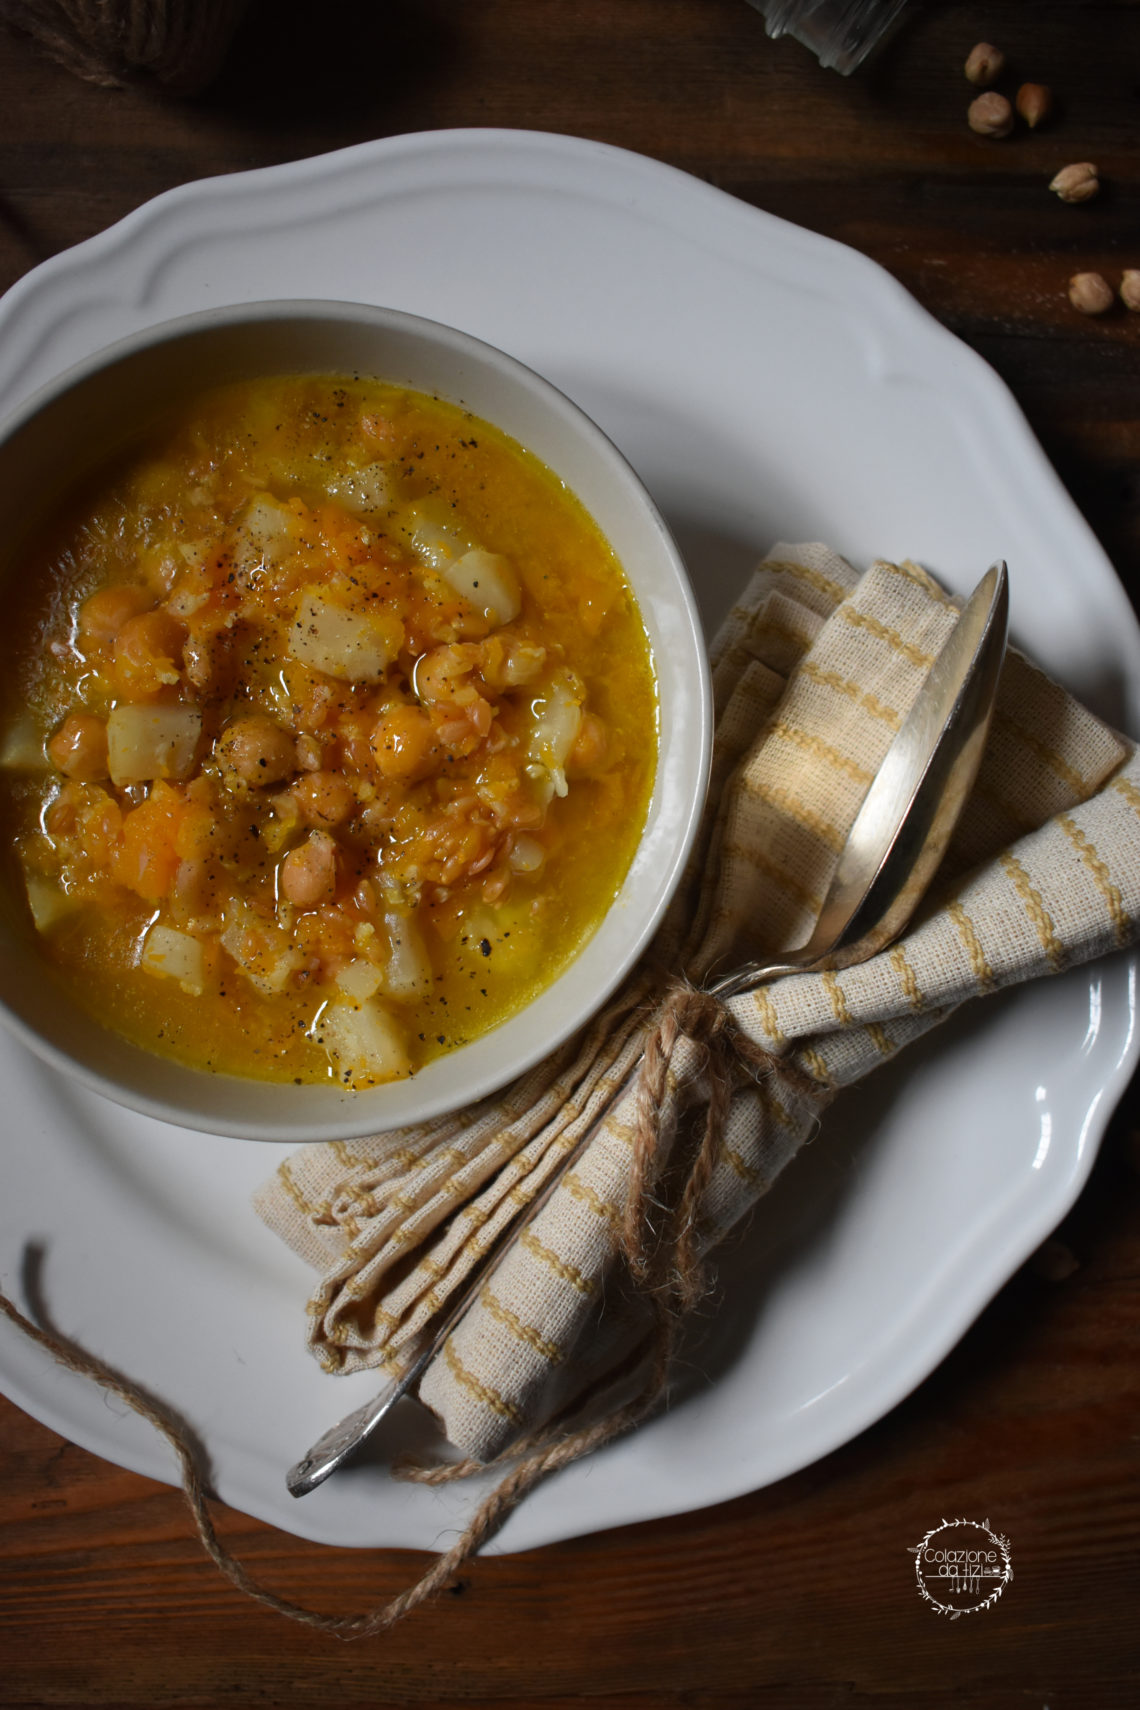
813	672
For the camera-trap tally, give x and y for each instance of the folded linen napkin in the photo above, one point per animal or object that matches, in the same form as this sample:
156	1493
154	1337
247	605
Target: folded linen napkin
813	672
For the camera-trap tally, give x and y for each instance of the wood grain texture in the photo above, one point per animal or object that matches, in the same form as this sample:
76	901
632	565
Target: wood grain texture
801	1596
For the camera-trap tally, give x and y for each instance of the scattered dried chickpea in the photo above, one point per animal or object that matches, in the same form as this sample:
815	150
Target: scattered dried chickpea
1055	1262
984	65
990	115
1076	183
1130	288
1090	293
1034	103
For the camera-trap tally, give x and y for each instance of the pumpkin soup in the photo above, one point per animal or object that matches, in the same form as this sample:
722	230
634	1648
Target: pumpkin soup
329	733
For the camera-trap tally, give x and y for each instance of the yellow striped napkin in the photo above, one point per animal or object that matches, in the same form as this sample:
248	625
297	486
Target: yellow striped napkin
812	674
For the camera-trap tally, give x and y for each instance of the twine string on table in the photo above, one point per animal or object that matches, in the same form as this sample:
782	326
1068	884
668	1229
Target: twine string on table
660	1245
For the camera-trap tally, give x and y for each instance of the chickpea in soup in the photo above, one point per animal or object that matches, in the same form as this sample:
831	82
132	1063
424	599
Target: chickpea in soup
329	735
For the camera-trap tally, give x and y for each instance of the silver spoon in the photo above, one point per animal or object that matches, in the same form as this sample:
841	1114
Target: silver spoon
892	851
913	802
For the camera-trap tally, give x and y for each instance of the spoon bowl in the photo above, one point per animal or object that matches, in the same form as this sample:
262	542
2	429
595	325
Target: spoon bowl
913	802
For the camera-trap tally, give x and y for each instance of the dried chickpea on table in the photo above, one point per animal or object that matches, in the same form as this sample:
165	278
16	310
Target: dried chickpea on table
329	734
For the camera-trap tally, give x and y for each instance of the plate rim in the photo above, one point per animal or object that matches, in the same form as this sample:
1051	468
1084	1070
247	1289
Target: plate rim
875	282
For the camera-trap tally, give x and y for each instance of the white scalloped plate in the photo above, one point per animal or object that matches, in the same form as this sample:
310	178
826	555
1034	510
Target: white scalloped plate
765	383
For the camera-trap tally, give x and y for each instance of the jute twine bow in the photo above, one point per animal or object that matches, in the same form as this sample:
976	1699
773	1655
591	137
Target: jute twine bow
673	1262
661	1247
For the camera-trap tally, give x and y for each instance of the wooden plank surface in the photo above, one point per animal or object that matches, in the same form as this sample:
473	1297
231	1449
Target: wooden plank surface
801	1596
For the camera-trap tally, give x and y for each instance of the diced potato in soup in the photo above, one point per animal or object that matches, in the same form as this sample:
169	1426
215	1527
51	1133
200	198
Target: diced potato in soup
356	646
362	491
435	539
173	955
265	533
408	972
261	950
48	904
22	749
314	762
359	980
366	1043
147	742
486	579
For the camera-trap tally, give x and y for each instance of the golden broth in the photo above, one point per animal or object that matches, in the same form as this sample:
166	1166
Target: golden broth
329	733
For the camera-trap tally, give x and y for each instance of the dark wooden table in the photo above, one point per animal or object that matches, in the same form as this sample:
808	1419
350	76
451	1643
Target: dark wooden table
800	1596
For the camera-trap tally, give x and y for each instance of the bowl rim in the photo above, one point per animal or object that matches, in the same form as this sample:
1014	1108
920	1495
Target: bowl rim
342	1123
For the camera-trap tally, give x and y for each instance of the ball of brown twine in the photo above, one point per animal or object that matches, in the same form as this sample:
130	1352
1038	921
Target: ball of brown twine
177	43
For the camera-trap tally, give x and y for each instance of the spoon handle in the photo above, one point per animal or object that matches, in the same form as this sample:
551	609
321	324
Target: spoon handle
753	974
337	1445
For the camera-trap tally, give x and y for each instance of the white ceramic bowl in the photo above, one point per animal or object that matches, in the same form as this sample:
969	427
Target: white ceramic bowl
82	418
